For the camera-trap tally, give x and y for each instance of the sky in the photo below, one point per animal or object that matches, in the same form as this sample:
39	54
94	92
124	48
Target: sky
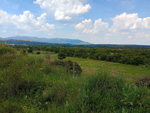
94	21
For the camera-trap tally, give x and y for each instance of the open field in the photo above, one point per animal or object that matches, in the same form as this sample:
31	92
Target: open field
36	83
131	73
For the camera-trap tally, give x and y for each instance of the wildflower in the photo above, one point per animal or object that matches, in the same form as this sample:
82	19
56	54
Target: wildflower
69	98
64	70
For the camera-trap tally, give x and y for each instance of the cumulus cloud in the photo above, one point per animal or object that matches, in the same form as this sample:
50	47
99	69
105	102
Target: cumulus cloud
123	24
131	26
126	28
26	21
87	27
64	10
130	22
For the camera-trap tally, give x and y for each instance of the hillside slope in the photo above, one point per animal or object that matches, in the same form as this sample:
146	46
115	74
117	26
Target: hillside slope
50	40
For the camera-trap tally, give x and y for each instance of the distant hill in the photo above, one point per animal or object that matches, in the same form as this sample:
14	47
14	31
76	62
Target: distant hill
50	40
26	42
118	45
67	41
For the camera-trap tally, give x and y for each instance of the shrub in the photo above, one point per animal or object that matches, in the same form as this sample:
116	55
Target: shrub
58	63
7	50
30	50
38	53
71	67
23	52
74	68
61	56
6	60
137	60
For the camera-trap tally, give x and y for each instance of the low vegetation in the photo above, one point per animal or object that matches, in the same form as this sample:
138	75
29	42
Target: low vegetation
38	83
133	56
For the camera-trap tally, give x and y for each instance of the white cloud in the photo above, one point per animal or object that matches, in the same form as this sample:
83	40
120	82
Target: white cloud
130	22
64	10
143	34
79	26
131	26
87	27
129	36
26	21
126	29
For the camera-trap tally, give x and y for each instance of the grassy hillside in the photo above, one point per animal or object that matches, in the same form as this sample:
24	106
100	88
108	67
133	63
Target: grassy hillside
32	83
129	72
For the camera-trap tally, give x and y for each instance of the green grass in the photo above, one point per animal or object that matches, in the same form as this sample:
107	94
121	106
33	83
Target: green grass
31	84
131	73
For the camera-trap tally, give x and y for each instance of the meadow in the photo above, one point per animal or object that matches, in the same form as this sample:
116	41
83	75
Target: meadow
31	82
131	73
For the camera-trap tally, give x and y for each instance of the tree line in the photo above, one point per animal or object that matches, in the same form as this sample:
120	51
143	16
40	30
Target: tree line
133	56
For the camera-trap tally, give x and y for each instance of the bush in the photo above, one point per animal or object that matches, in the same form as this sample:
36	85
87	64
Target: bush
6	60
38	53
61	56
137	60
58	63
71	67
23	52
7	50
30	50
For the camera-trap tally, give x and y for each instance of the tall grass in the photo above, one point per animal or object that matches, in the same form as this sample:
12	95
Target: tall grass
32	84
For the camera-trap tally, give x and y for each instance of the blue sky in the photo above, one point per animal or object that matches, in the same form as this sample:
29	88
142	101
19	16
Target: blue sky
95	21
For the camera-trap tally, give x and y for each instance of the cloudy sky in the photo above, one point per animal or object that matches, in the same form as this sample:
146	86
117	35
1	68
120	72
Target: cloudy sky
95	21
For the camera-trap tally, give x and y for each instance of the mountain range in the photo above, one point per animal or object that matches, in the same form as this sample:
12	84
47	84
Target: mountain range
45	40
26	40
